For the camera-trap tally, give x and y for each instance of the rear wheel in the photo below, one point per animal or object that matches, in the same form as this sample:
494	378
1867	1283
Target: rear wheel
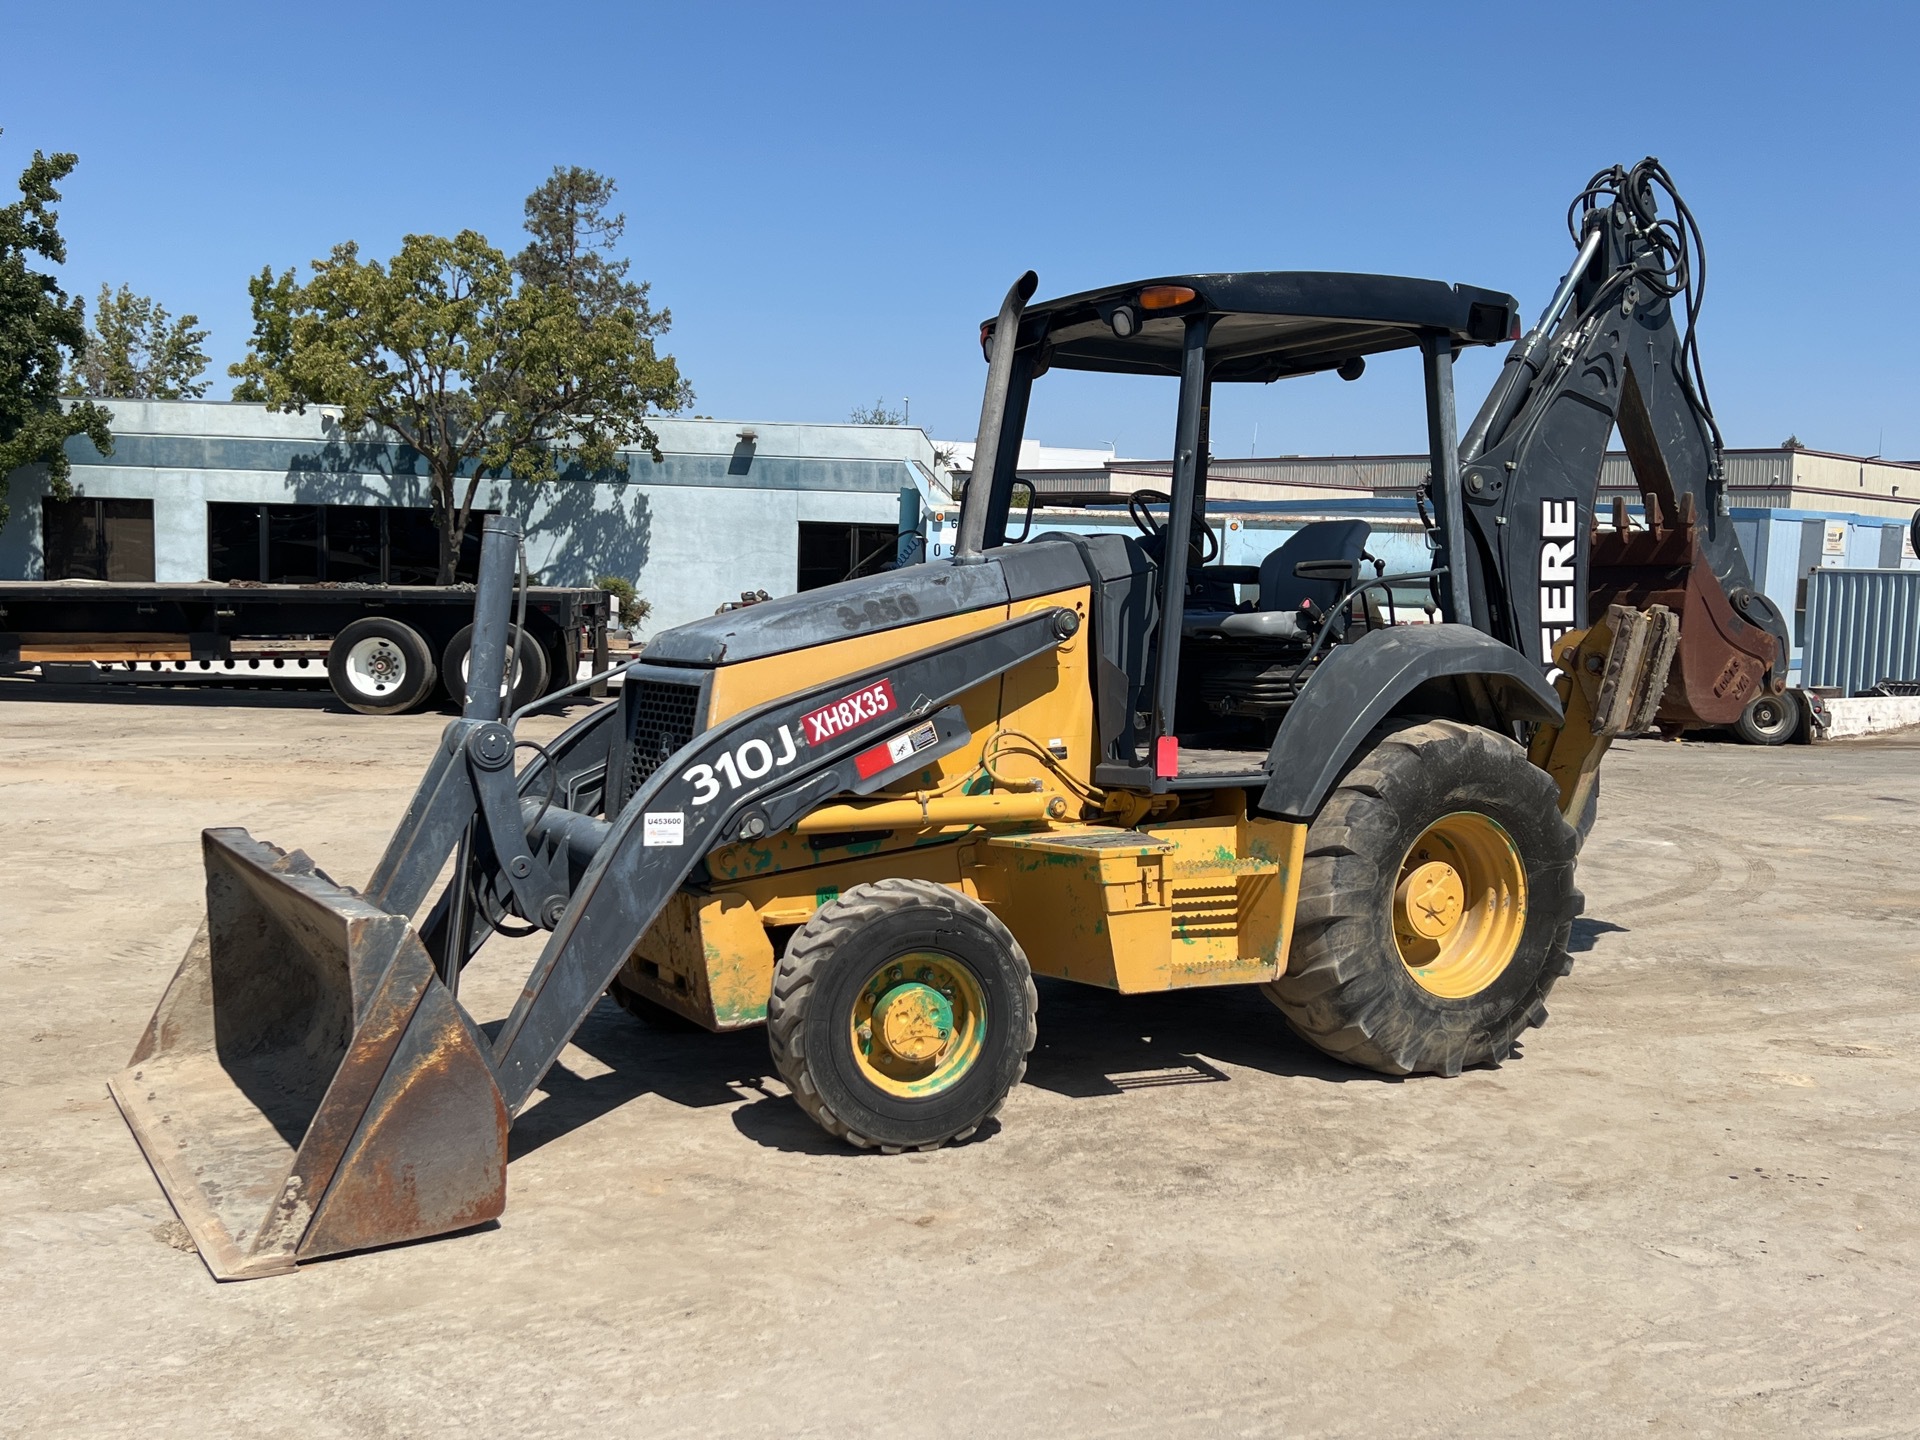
901	1015
529	670
1437	897
380	666
1768	720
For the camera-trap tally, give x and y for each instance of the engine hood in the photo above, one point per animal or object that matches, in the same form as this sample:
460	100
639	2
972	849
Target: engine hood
907	596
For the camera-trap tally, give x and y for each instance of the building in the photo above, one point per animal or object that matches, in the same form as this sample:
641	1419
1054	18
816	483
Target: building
205	490
1776	479
1795	511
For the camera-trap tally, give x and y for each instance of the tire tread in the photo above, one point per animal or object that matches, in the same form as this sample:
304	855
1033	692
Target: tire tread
1333	992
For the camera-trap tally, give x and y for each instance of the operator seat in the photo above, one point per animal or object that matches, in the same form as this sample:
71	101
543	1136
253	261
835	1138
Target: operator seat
1276	615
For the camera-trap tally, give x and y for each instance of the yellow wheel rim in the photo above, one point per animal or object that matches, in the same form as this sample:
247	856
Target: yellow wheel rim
919	1023
1460	905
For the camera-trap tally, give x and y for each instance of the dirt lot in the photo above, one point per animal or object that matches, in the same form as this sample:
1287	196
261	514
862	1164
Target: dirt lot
1689	1209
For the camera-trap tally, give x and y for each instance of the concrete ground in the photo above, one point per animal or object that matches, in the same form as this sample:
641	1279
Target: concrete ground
1689	1209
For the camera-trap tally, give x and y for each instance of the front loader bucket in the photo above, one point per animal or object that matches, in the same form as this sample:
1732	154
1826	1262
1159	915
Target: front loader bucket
308	1086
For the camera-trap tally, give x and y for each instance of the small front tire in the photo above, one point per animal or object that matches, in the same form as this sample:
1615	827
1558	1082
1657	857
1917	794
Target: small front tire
901	1016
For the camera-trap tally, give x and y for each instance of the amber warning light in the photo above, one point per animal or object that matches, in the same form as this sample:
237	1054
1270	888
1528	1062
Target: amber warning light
1165	297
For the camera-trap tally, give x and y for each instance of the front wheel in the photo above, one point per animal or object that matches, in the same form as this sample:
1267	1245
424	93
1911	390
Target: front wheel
1437	898
901	1015
1768	720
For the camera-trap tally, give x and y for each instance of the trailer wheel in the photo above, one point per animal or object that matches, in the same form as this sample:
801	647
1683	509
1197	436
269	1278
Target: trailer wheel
1768	720
529	668
380	666
1437	897
901	1015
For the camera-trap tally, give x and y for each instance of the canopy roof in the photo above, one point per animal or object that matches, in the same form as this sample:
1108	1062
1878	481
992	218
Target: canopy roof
1271	323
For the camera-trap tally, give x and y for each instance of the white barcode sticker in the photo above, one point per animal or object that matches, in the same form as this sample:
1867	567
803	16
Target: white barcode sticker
663	827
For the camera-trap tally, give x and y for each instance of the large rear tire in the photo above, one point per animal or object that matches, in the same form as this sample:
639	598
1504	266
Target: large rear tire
901	1015
1437	897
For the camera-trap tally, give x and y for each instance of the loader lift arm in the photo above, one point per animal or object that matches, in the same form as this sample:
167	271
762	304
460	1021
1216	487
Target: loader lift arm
311	1085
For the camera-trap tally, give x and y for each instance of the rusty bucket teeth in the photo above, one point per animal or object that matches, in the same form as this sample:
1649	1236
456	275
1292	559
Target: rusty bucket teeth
308	1086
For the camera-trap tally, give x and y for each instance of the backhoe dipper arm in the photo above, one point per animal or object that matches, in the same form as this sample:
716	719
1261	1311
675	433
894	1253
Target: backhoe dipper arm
1609	352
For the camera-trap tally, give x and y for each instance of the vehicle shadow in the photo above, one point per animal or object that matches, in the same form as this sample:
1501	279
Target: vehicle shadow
291	694
1092	1043
1097	1042
693	1069
184	695
1587	930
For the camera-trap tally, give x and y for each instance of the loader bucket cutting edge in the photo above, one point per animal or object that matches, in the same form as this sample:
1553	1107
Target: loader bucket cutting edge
308	1086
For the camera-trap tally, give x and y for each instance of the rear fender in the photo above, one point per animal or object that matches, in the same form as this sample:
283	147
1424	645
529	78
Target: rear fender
1363	683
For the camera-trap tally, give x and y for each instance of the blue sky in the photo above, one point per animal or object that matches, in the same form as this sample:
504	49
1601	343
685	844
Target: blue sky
831	198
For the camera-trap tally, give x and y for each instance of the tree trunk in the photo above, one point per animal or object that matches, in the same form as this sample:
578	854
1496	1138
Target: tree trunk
451	524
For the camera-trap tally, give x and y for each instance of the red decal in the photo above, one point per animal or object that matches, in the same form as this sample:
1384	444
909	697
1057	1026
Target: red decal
848	714
1166	757
871	762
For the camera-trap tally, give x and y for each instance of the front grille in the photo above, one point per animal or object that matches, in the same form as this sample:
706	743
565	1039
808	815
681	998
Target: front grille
663	718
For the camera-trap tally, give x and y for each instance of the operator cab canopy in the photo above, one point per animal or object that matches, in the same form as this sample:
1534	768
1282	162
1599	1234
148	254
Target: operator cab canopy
1268	324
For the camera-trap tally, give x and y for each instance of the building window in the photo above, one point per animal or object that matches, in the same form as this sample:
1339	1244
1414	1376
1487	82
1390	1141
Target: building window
88	539
335	544
831	553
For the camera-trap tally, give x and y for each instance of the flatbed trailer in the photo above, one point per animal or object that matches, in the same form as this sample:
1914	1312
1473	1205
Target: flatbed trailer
384	649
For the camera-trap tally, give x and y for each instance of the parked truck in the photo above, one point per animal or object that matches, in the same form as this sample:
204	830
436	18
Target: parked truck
385	649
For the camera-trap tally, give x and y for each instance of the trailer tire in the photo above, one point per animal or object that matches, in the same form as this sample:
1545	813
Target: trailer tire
380	666
901	1015
1437	898
530	668
1769	720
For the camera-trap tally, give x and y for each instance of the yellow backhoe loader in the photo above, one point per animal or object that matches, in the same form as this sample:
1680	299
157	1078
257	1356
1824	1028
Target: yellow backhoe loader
866	816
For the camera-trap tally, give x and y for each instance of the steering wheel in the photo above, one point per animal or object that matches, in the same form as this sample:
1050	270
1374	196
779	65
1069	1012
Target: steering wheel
1201	539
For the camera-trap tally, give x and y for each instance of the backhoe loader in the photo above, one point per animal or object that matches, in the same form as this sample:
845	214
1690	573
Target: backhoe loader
867	816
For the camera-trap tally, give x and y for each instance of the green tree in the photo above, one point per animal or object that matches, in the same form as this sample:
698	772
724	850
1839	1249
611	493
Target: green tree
572	245
137	351
482	373
40	328
631	609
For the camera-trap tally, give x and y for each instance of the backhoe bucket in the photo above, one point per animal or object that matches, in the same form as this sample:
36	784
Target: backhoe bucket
308	1085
